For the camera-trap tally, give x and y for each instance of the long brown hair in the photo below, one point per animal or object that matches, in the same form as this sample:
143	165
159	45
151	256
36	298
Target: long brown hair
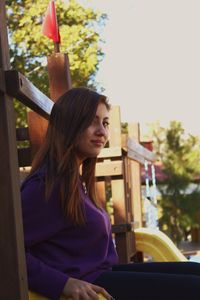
70	116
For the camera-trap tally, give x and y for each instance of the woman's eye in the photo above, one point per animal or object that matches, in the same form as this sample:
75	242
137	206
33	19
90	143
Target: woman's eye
106	124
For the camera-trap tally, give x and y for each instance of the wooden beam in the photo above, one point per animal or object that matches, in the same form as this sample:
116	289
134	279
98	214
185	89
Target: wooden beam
135	176
109	168
110	152
24	157
59	75
37	127
115	129
22	134
121	228
21	88
138	152
13	278
59	82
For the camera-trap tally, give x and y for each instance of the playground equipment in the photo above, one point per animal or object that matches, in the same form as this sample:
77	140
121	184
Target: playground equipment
157	244
118	167
34	296
150	199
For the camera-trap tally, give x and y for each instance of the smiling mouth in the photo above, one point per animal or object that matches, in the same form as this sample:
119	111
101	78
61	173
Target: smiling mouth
98	143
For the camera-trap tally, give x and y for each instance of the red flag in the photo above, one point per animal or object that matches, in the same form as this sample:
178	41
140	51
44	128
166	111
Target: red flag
50	24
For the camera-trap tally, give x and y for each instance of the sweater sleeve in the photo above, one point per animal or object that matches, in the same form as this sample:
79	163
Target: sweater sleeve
43	279
41	220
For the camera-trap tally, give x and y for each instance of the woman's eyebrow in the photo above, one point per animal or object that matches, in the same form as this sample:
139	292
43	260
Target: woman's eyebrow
97	117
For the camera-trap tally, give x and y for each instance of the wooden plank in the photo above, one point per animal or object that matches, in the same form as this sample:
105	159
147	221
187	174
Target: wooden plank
59	74
37	127
2	80
110	152
127	188
135	157
131	247
101	192
135	177
13	277
121	239
119	228
109	168
118	201
136	196
134	147
24	156
59	82
22	134
115	128
20	87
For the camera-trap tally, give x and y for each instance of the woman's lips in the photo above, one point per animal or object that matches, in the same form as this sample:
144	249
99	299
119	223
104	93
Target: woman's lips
98	143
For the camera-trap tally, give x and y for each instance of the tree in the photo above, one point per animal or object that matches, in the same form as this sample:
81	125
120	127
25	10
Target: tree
79	38
180	157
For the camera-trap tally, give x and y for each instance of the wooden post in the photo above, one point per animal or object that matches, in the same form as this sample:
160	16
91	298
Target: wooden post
134	132
59	75
115	130
124	240
13	278
59	82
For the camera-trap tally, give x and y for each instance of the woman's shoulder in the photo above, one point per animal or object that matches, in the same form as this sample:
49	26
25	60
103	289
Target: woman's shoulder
36	177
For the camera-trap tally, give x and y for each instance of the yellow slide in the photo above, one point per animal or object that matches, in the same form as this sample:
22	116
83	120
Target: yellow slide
157	244
150	241
34	296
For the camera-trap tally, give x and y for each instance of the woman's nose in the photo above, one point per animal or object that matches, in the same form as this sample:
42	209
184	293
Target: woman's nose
102	130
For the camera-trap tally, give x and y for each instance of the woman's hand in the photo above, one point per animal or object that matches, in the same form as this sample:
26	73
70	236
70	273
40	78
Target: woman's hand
82	290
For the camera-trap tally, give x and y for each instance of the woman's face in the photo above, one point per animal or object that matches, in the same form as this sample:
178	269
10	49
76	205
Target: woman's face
94	138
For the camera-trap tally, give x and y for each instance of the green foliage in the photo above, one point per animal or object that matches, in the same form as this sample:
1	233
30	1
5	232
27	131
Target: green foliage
124	128
180	157
29	48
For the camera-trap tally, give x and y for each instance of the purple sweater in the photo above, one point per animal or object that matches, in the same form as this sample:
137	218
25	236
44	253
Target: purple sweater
55	248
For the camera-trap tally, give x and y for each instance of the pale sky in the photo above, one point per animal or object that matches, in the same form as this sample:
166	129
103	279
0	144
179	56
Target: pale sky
152	62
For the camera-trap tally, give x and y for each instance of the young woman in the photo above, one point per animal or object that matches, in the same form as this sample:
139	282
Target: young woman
68	239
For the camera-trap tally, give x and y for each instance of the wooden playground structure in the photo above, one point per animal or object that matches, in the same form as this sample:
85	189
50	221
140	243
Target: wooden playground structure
118	168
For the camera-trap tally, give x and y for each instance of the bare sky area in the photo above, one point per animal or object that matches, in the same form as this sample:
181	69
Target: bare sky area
152	63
